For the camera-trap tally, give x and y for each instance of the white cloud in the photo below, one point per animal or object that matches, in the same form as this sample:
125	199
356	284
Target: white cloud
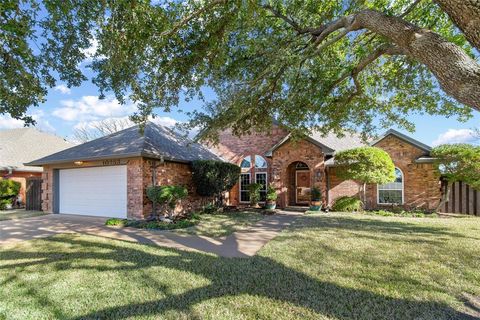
456	136
7	122
91	108
90	51
63	89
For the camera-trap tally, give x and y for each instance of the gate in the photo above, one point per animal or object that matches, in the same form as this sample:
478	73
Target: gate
33	199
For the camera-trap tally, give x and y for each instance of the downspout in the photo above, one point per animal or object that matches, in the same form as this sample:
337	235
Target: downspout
327	177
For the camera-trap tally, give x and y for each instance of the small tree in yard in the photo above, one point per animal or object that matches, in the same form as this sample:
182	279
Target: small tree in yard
254	190
8	190
212	178
366	165
457	162
167	196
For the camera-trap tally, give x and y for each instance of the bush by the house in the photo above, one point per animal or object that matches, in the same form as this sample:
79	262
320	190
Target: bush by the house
117	222
212	178
347	204
167	196
9	189
416	213
192	220
254	190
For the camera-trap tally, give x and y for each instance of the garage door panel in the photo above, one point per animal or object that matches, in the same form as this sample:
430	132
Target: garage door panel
100	191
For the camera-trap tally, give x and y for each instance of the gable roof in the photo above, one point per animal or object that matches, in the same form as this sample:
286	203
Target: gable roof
405	138
157	142
18	146
329	144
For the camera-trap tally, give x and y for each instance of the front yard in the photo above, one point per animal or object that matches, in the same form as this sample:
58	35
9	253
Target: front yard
19	214
335	266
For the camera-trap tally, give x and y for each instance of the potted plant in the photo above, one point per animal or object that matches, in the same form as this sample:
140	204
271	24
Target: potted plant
271	198
254	190
316	199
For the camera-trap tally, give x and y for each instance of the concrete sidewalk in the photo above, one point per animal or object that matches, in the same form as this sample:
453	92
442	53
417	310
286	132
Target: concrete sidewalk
243	243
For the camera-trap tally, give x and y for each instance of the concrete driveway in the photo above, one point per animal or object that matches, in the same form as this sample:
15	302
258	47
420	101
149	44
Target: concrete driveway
239	244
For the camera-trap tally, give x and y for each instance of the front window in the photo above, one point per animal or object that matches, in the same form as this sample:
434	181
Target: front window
260	162
262	179
246	163
244	183
392	193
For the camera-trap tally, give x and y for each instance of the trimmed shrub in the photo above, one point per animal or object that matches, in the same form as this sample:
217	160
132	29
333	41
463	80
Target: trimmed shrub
9	188
254	190
212	178
116	222
347	204
168	196
315	194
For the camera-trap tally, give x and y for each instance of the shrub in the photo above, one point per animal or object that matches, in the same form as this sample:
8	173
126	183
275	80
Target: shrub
254	190
168	196
9	188
315	194
116	222
271	193
4	203
347	204
212	178
209	208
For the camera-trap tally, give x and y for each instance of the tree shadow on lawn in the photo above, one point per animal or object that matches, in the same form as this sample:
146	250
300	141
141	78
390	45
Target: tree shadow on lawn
257	276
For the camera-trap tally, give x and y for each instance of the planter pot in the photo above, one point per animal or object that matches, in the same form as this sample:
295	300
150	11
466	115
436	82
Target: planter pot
270	205
315	205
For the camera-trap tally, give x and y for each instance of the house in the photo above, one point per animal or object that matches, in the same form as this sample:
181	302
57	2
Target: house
109	176
294	166
18	146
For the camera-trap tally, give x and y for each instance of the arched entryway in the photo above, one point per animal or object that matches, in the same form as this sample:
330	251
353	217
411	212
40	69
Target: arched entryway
299	184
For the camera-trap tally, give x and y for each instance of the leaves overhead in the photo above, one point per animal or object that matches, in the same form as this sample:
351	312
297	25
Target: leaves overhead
256	55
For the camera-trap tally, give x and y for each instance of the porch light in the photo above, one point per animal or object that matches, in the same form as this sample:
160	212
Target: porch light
78	163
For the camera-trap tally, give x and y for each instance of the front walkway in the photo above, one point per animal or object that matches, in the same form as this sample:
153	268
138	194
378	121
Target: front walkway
243	243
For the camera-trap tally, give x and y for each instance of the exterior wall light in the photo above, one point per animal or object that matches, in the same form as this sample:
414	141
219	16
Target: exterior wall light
78	163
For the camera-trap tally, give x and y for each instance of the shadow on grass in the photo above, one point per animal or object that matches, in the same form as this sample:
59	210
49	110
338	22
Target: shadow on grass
257	276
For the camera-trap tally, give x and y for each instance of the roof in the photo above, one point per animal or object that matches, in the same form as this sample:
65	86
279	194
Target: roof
18	146
157	142
329	143
405	138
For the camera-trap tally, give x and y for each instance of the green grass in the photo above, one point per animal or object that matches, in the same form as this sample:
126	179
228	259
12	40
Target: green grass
335	266
19	214
223	224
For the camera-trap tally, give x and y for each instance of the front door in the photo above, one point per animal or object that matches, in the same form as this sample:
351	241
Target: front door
302	187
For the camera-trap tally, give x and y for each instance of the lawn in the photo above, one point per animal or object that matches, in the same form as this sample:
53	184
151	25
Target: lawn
334	266
223	224
19	214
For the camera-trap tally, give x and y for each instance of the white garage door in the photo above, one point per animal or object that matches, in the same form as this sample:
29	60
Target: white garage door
99	191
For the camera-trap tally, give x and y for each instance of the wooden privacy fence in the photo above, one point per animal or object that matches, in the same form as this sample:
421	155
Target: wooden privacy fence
463	199
33	199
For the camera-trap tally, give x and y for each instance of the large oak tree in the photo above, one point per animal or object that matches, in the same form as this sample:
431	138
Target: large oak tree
329	65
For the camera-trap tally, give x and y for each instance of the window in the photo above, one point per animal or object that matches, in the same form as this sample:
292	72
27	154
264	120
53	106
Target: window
246	162
391	193
261	177
260	162
244	182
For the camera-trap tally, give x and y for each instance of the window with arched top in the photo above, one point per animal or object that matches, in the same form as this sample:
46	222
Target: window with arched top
391	193
253	172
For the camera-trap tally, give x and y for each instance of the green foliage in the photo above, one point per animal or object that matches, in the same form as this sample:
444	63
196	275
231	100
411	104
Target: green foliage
209	208
4	203
271	193
316	194
365	164
347	204
157	225
167	195
416	213
257	64
254	190
9	188
116	222
458	162
211	178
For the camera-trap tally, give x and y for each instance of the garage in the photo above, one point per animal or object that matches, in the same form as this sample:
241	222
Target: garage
96	191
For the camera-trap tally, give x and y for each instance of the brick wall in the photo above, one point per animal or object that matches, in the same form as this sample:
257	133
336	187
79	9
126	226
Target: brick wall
339	187
47	189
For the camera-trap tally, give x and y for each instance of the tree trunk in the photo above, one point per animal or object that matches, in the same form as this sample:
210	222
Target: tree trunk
364	195
445	196
466	16
457	73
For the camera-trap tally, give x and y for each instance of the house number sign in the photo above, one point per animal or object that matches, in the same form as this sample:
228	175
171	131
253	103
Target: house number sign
111	162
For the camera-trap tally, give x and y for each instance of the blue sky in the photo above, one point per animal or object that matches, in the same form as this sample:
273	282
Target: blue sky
67	109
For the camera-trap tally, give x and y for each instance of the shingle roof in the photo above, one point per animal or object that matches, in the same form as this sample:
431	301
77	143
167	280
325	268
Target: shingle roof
156	142
18	146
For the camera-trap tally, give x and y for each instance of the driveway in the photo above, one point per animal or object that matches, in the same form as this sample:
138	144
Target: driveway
239	244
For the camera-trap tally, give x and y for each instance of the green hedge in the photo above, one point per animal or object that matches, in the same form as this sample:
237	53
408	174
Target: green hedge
211	177
347	204
9	188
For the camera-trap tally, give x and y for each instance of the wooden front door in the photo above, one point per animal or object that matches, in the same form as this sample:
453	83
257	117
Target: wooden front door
302	187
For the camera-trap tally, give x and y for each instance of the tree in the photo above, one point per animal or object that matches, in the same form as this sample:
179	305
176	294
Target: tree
327	65
212	178
366	165
167	196
100	128
457	162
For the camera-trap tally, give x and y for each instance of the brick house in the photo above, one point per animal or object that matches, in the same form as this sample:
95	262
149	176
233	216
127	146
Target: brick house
294	166
109	176
18	146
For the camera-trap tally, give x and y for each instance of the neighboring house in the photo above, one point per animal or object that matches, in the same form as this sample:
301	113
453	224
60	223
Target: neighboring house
293	167
18	146
109	176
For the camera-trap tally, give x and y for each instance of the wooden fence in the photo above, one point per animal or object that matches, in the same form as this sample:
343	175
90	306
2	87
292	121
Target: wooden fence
463	199
33	199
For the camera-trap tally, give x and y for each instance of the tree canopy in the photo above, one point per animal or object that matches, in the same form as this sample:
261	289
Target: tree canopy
311	64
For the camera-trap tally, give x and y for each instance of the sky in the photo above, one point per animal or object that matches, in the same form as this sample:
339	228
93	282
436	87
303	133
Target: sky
66	109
